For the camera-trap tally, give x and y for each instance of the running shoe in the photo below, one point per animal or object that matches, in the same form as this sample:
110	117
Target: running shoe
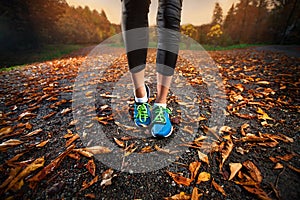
141	113
161	124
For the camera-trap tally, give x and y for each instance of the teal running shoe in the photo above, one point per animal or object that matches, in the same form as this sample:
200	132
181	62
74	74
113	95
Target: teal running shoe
161	124
141	113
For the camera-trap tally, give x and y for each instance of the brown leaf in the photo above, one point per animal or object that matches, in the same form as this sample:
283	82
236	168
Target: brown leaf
65	111
75	156
263	115
253	171
34	132
286	157
39	162
86	185
218	187
6	130
188	129
203	157
240	87
243	127
278	166
195	194
90	195
26	115
84	153
42	144
119	142
180	196
258	191
69	134
203	177
180	179
293	168
91	167
146	149
225	152
72	139
194	167
106	177
28	126
50	167
234	169
97	150
9	143
12	174
49	115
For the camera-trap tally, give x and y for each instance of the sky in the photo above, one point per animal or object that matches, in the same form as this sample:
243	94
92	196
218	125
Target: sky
196	12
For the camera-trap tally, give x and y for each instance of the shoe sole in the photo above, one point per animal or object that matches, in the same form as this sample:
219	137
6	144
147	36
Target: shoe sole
163	136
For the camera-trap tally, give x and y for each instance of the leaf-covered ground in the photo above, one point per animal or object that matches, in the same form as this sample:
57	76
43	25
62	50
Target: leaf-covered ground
254	155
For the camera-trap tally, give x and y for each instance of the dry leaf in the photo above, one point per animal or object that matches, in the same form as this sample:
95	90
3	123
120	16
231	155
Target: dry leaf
6	130
253	171
218	187
39	162
84	153
180	196
72	139
286	157
9	143
106	177
194	167
203	157
195	194
42	144
226	150
97	150
188	129
243	127
86	185
50	167
234	169
180	179
119	142
294	168
34	132
146	149
92	196
12	174
278	166
258	191
91	167
203	177
263	115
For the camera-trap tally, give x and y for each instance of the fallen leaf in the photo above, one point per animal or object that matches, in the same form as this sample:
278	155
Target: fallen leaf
278	166
203	157
97	150
84	153
240	87
90	195
39	162
26	115
286	157
6	130
258	191
293	168
91	167
106	177
50	167
188	129
194	167
42	144
65	111
72	139
225	152
86	185
263	115
234	169
243	127
12	174
119	142
203	177
218	187
180	179
253	171
180	196
146	149
9	143
34	132
195	194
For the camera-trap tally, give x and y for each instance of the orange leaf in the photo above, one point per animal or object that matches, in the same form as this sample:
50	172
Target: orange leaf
195	194
203	177
203	157
253	171
72	139
97	150
6	130
258	191
218	187
119	142
42	144
194	167
106	177
180	179
226	151
34	132
91	167
180	196
234	169
86	185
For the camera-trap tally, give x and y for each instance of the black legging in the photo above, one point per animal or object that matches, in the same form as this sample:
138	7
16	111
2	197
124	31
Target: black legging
135	15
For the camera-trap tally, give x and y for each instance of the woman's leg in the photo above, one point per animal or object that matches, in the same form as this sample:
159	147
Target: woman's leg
135	15
168	22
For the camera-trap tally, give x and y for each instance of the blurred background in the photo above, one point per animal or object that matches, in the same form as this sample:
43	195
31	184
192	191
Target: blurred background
36	29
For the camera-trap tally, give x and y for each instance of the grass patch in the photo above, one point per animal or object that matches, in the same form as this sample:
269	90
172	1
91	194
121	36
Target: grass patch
235	46
13	60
